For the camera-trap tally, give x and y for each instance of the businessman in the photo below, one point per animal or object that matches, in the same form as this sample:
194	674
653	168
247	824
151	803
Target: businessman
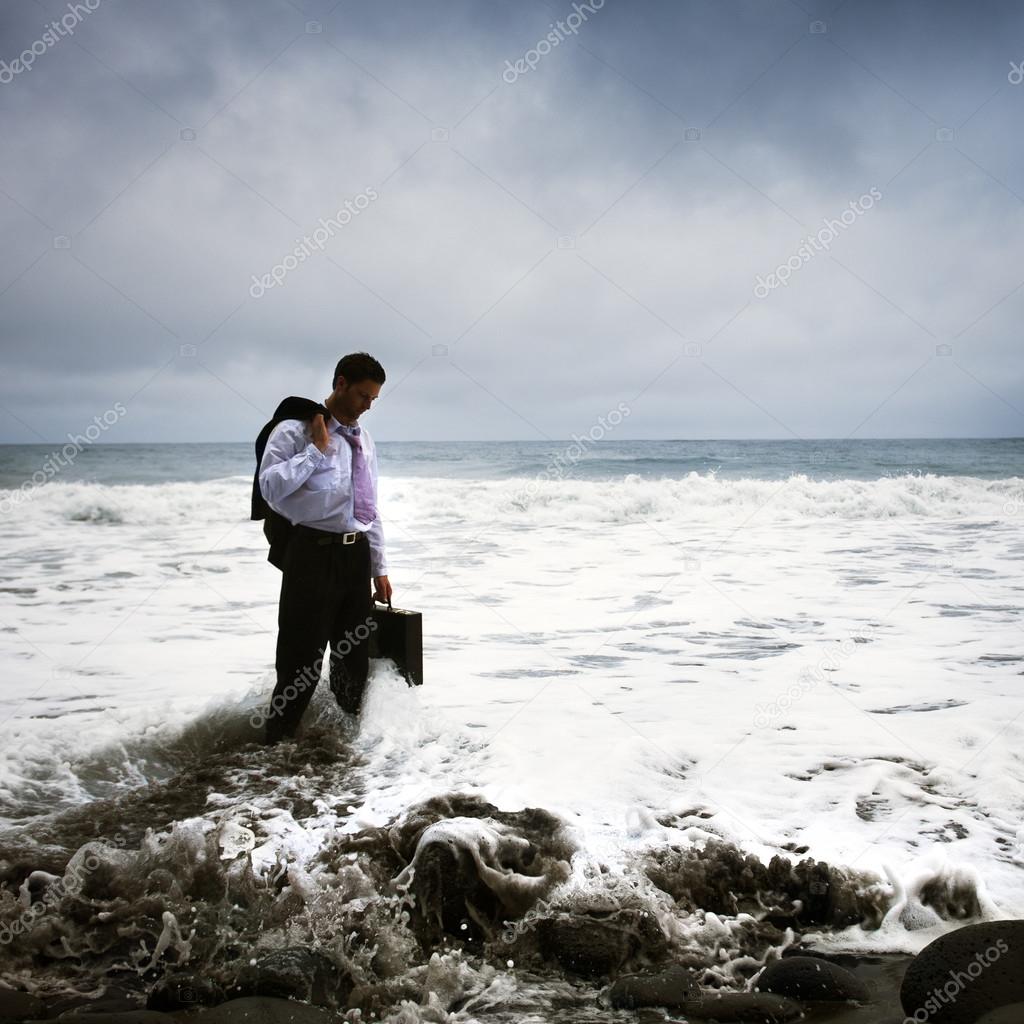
320	474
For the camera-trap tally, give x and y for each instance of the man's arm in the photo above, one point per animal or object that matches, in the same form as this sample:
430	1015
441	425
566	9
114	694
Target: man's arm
378	559
375	535
287	464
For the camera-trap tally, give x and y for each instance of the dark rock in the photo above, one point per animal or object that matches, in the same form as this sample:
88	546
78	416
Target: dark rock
110	1000
721	878
118	995
445	884
806	977
1009	1014
587	945
105	1006
20	1006
597	940
295	973
671	988
260	1010
56	1005
469	886
967	973
184	991
744	1006
124	1017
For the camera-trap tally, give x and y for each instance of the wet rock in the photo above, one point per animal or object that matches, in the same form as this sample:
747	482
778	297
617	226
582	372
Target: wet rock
101	1007
1010	1014
446	885
295	973
184	991
967	973
472	867
744	1006
590	946
56	1005
109	1001
260	1010
720	878
124	1017
671	988
805	977
20	1006
598	940
950	897
20	857
113	998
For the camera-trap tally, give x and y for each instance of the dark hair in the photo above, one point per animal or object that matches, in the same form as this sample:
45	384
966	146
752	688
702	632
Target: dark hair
356	367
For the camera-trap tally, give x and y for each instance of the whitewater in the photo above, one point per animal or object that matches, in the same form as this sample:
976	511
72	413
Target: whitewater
821	669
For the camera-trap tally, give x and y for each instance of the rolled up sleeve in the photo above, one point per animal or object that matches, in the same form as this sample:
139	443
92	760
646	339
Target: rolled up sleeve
375	532
287	462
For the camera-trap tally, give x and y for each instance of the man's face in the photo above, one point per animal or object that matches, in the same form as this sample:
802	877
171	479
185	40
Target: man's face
354	399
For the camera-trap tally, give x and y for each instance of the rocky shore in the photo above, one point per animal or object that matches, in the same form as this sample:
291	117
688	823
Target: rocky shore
460	911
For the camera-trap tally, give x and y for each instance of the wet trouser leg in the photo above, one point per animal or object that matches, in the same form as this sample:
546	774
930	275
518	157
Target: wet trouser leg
302	627
350	631
325	590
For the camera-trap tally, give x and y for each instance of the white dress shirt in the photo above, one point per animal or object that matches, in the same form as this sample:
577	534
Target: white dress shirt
314	488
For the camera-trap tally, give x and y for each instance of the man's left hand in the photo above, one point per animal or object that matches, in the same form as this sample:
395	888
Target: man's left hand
382	589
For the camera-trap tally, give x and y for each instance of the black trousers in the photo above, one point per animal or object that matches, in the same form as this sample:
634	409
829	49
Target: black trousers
325	602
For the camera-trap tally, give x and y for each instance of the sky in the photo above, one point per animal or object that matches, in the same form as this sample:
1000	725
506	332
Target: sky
731	218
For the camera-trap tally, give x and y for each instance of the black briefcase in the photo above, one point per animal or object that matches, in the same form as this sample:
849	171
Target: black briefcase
398	635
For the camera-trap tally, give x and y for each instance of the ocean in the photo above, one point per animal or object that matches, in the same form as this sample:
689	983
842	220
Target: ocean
685	654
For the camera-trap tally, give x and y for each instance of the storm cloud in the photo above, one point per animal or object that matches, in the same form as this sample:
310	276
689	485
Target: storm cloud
529	211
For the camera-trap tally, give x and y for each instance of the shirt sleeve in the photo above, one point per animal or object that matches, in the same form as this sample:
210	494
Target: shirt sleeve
375	532
287	463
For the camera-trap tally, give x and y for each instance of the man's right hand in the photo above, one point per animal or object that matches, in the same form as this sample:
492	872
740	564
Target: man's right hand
319	430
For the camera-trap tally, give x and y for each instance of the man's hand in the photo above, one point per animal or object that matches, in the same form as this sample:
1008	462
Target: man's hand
382	589
319	431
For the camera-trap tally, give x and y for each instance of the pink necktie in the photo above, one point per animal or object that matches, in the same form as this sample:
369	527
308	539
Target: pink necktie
362	488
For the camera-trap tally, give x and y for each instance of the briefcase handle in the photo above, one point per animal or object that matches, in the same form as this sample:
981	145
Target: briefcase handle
376	601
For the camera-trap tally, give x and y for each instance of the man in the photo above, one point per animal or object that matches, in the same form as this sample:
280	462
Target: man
321	476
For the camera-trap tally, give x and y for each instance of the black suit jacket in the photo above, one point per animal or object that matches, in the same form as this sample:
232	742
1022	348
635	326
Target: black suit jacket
276	528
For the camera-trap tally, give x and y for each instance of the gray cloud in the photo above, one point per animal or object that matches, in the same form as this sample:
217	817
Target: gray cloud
540	250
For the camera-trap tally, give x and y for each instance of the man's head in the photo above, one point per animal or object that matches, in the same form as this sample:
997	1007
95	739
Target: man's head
358	378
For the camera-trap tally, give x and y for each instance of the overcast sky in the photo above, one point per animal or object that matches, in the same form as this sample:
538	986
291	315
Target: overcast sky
528	250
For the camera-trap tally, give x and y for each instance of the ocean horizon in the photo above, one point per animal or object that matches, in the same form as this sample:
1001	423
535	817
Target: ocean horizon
579	457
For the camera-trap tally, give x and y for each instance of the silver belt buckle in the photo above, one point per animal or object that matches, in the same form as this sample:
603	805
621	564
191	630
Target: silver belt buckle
349	538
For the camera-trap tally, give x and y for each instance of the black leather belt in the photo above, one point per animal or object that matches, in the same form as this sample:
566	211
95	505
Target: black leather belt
328	537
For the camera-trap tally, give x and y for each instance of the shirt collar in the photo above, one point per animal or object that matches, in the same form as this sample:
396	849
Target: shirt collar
344	428
336	426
